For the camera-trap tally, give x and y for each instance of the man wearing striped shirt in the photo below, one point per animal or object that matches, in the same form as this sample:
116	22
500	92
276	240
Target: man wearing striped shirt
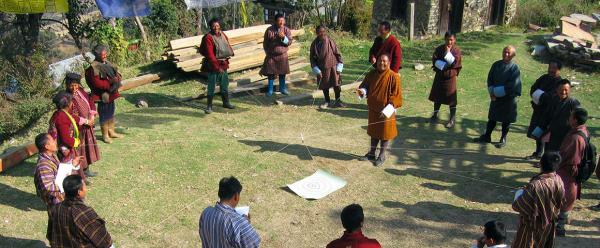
221	226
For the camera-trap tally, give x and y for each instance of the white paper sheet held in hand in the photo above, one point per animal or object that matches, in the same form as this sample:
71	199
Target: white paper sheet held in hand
535	97
388	111
64	170
318	185
243	210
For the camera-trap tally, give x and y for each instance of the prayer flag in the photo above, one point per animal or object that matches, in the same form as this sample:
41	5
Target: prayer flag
123	8
200	4
33	6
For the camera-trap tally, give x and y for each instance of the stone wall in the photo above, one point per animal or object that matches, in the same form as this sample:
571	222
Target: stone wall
475	15
427	16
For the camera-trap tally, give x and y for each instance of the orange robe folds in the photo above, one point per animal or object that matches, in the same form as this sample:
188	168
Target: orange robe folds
383	88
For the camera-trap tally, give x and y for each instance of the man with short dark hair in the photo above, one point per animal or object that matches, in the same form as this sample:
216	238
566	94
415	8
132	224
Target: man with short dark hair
73	224
386	43
326	63
352	219
221	226
555	119
494	235
571	151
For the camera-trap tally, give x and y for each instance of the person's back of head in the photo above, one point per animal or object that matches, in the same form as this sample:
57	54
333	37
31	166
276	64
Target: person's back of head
73	186
352	217
550	162
229	187
580	116
495	233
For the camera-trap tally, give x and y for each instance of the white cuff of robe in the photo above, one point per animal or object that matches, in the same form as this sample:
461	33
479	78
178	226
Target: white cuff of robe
339	67
440	64
537	132
535	97
316	70
285	40
499	91
449	58
364	91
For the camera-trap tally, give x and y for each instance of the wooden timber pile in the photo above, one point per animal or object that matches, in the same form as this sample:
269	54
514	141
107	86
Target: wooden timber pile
246	44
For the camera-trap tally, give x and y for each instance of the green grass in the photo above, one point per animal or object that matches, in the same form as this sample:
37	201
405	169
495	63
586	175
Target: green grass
436	189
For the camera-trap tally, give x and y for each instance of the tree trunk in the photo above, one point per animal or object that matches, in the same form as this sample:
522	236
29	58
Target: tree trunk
29	26
199	21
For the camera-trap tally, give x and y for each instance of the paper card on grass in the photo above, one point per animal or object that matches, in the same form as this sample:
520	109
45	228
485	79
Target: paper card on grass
440	64
318	185
388	111
536	96
243	210
64	170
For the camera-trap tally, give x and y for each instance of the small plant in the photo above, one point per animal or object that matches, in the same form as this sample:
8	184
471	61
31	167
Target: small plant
102	32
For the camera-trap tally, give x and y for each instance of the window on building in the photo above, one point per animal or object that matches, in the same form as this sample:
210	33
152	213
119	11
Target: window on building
399	9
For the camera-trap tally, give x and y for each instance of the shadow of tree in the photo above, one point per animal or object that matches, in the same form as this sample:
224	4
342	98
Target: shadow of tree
19	199
298	150
19	242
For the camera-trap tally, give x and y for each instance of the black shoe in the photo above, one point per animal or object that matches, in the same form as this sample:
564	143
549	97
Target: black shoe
379	161
483	139
502	143
339	104
89	173
208	109
226	103
561	232
367	157
534	156
434	119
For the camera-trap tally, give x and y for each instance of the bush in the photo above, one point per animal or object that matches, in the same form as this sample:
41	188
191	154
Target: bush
547	13
31	98
102	32
356	16
163	19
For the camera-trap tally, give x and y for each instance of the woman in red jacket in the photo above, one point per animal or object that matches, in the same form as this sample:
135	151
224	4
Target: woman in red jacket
84	108
104	80
64	128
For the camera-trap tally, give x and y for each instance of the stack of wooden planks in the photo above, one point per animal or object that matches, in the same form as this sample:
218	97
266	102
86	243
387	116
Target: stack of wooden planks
246	43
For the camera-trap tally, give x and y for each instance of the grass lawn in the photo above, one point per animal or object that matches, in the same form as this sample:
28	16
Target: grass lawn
436	189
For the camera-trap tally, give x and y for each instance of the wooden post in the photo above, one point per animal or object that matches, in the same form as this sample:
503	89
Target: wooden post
411	34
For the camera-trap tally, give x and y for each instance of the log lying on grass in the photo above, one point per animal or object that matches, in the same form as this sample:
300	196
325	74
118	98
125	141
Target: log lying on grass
16	156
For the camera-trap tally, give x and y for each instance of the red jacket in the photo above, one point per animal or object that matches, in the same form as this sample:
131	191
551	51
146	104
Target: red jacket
210	62
392	47
98	86
354	240
65	131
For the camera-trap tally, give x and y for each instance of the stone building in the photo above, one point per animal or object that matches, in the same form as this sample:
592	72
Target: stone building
434	17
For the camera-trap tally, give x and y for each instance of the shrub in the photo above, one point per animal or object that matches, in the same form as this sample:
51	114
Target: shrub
548	12
163	18
356	16
102	32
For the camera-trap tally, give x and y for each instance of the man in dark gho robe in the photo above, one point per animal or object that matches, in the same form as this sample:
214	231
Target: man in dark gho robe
538	205
447	63
276	43
386	43
542	91
555	119
104	81
383	91
326	62
504	87
571	151
216	50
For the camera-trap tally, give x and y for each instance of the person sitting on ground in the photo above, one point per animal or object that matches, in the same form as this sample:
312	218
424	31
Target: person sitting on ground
221	226
494	236
571	150
352	219
73	224
538	204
